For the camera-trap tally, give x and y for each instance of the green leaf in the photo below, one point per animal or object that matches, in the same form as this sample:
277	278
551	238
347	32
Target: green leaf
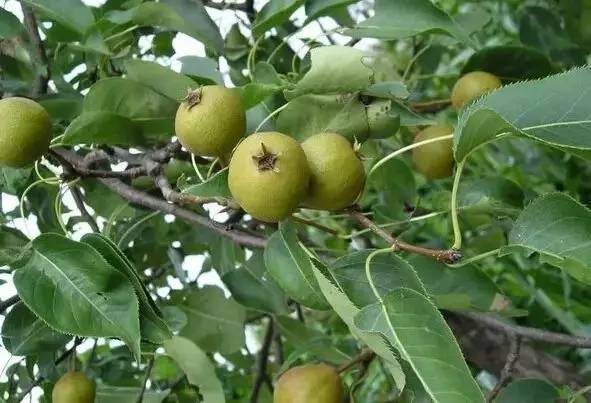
254	93
216	186
161	79
335	70
347	311
395	183
552	110
102	128
71	13
121	394
388	271
397	19
345	115
274	13
23	333
312	341
185	16
153	112
414	326
542	29
251	287
10	25
73	289
387	89
152	325
215	323
461	288
528	391
12	244
202	69
291	267
494	195
558	228
14	180
510	63
198	368
318	8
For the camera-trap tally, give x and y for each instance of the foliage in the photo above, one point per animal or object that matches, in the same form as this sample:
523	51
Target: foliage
132	274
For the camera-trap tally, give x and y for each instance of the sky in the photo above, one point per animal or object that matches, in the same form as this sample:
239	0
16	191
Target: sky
183	46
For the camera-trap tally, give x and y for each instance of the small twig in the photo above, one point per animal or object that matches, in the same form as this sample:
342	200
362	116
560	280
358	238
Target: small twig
140	398
261	366
430	106
300	313
279	355
79	200
507	371
7	303
446	256
529	332
364	356
315	225
42	78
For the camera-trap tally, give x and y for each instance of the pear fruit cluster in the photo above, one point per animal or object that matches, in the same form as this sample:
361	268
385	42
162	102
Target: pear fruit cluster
312	383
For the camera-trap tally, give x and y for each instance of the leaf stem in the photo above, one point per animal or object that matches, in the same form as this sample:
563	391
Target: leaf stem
265	120
454	207
405	149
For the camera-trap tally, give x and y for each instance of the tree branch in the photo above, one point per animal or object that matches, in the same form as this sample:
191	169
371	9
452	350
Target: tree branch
365	356
507	371
446	256
262	360
529	332
140	398
227	6
144	199
42	77
79	200
7	303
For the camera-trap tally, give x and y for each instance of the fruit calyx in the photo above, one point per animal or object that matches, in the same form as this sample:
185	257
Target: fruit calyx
193	97
266	160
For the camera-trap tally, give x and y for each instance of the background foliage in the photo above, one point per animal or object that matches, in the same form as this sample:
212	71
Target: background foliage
170	293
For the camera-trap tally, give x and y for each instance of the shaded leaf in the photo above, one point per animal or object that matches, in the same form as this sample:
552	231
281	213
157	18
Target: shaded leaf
397	19
494	195
216	186
120	394
274	13
161	79
318	8
73	14
12	244
528	391
291	267
202	69
102	128
215	323
510	63
23	333
10	25
198	368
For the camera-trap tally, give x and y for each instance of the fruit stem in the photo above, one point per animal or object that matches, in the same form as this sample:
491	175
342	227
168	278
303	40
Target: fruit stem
405	149
454	206
265	120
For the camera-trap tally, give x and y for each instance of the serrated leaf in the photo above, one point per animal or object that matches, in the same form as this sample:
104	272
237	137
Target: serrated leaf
397	19
152	325
312	114
73	289
552	110
198	368
559	228
23	333
343	306
351	73
251	286
102	128
510	62
215	323
274	13
216	186
73	14
411	323
160	78
291	267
